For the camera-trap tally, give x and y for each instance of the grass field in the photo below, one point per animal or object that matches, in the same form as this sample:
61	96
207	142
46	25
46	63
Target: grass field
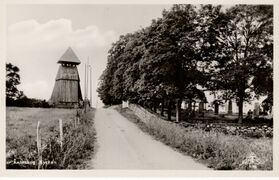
21	148
23	121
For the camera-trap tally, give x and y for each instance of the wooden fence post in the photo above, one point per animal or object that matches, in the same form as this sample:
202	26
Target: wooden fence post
39	146
61	133
78	120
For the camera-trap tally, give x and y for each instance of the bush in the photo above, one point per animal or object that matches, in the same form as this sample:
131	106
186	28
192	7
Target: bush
27	102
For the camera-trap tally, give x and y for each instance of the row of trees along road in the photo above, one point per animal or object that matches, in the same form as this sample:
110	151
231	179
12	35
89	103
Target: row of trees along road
224	50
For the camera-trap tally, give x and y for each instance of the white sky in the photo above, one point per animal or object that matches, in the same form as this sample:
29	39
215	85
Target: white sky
38	35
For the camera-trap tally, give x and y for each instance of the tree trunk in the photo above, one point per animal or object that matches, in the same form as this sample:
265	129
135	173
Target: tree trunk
169	110
194	111
230	107
240	110
162	107
178	110
216	108
190	105
155	106
189	108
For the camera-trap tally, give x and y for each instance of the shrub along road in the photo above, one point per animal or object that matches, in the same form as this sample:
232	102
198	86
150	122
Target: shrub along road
122	145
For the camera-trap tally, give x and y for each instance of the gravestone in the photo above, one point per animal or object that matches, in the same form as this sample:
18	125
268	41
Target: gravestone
256	109
183	105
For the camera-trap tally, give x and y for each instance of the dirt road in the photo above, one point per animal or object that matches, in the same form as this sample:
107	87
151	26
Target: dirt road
122	145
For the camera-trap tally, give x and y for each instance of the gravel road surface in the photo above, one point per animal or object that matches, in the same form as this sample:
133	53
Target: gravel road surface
122	145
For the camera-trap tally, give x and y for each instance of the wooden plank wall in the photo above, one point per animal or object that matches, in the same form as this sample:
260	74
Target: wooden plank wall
67	87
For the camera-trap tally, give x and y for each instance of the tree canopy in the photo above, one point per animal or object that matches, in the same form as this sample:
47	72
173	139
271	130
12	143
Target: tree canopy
226	50
12	81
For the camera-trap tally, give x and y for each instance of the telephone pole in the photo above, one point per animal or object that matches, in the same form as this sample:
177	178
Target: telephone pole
90	68
85	82
87	76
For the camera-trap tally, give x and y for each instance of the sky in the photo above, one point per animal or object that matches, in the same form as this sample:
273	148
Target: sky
38	35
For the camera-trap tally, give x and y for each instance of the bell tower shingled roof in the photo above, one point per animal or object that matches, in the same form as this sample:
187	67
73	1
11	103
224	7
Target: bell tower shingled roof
69	57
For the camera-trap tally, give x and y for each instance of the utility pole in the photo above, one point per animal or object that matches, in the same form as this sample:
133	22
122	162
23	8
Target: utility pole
87	76
97	103
90	85
85	82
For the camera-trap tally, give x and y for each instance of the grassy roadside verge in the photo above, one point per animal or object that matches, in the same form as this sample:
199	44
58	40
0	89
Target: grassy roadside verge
216	150
78	144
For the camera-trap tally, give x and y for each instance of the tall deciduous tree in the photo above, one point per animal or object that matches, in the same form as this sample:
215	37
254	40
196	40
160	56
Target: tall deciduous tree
246	40
111	89
181	31
132	55
12	81
154	65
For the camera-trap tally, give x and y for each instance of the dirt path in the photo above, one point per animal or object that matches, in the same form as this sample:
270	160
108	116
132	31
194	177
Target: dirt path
122	145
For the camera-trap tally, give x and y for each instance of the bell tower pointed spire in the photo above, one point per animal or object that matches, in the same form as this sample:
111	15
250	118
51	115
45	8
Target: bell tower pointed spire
69	57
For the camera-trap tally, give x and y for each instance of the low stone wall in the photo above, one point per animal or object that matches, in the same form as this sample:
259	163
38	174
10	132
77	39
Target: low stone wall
142	113
226	128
